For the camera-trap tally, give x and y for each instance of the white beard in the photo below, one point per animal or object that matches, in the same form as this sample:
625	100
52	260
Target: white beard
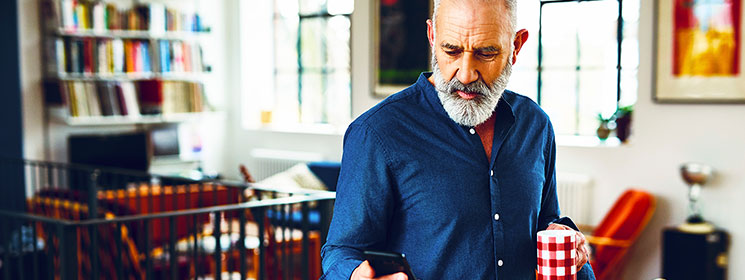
477	110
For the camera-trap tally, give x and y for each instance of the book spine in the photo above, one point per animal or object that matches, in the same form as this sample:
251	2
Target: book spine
118	55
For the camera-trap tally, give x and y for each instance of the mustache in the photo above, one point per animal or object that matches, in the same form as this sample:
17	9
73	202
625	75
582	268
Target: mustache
479	86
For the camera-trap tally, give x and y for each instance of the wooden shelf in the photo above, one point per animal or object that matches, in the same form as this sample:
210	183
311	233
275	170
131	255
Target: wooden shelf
60	117
133	34
173	76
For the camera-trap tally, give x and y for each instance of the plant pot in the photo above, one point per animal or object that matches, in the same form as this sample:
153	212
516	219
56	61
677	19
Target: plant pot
623	128
603	131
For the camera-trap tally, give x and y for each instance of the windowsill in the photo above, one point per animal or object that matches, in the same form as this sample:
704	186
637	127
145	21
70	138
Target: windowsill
317	129
334	130
587	141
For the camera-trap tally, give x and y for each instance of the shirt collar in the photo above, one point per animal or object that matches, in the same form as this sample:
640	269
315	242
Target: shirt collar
504	111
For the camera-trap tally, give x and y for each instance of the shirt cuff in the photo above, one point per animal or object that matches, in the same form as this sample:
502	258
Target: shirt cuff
341	270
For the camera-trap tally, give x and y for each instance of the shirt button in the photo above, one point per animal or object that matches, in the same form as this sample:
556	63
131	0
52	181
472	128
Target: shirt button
491	173
500	263
496	217
472	131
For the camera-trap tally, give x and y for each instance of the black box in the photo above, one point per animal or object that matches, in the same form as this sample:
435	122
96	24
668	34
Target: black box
699	256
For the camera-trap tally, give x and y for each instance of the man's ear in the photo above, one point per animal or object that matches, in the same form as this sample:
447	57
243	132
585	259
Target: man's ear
430	33
520	38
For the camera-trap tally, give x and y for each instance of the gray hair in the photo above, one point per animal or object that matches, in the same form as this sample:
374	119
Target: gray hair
511	9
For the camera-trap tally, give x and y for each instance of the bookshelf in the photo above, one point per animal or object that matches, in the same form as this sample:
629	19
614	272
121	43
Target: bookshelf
124	65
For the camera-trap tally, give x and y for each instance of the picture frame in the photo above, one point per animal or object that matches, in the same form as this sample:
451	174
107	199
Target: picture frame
401	48
699	52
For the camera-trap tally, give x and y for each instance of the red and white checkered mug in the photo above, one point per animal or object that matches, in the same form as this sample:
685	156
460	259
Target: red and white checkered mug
557	256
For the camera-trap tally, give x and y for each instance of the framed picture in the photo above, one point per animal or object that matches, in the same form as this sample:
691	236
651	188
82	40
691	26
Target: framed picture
699	52
401	47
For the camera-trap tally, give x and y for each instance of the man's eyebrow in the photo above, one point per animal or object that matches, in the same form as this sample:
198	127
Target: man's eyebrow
488	49
451	46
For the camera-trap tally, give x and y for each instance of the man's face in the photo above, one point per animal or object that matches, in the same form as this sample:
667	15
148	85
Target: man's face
473	50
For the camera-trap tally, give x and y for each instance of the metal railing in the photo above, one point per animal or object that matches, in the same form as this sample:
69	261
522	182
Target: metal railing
130	225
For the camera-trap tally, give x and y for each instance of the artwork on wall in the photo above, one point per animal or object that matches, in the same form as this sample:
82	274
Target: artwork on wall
699	51
402	49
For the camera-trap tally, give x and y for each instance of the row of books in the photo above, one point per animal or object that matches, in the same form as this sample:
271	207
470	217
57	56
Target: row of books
126	98
113	56
101	16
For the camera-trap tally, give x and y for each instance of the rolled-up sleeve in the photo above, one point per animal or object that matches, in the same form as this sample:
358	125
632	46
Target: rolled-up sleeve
364	203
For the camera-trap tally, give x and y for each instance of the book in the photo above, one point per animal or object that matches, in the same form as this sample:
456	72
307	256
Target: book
103	57
157	12
103	97
78	90
88	55
75	46
111	93
98	10
129	93
67	10
151	96
129	63
145	56
73	99
117	54
165	56
94	104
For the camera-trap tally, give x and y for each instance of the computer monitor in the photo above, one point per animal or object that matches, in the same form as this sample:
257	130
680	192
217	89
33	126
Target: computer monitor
127	151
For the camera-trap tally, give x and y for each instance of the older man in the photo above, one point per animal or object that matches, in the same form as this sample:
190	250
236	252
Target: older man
454	171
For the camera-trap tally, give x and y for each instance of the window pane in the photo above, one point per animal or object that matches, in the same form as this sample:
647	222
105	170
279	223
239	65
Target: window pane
524	81
308	7
629	87
286	8
285	54
338	97
337	34
311	98
559	36
559	99
597	29
286	109
339	7
630	55
313	42
597	95
630	11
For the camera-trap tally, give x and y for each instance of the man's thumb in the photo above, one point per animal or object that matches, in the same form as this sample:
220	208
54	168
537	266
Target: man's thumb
365	270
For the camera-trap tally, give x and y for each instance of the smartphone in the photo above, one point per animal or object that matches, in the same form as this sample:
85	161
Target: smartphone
385	263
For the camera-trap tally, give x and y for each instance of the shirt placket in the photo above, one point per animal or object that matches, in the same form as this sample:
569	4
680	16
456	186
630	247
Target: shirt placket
502	126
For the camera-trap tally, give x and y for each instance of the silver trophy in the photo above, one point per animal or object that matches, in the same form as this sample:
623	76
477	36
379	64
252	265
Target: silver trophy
695	175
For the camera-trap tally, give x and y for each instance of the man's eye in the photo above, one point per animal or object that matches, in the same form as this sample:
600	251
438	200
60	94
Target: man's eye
452	53
488	55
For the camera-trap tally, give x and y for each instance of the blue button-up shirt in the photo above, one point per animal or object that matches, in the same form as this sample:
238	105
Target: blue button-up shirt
413	181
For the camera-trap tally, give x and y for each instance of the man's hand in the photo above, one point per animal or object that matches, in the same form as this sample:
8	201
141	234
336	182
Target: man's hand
583	254
365	272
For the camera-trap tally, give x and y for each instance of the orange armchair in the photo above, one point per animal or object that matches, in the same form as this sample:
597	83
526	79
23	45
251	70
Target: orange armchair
618	230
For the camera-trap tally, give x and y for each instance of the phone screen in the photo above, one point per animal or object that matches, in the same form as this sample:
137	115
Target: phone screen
385	263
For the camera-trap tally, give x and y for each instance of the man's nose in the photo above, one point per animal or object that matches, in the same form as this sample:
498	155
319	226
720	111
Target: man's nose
467	72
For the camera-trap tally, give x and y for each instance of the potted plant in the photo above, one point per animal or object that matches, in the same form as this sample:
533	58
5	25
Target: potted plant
623	122
605	127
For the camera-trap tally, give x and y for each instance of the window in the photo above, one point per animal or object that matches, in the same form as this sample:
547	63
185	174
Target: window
309	60
576	65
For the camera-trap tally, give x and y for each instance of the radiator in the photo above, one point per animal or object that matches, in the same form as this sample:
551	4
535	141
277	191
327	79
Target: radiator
575	194
267	162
